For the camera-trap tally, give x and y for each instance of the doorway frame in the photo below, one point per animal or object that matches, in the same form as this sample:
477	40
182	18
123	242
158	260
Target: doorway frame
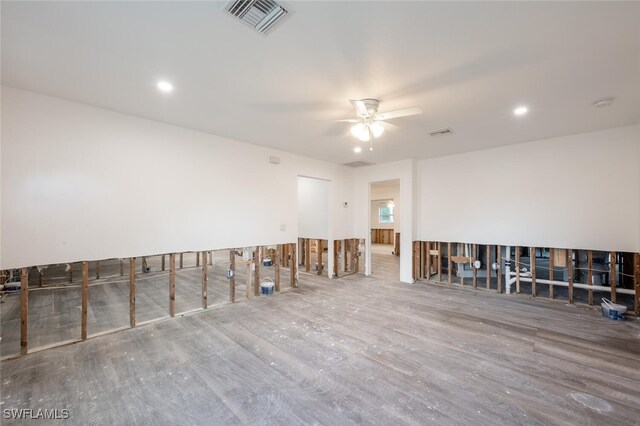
406	230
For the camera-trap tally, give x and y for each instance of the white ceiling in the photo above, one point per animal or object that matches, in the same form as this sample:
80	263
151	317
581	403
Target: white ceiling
466	64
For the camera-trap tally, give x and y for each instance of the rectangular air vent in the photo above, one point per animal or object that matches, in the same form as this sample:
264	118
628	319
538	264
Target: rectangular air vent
261	15
358	164
441	132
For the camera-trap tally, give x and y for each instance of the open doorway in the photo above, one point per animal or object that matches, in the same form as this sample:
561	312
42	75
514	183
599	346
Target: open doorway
384	200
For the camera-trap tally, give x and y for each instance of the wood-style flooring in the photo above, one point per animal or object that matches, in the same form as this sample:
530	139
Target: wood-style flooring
353	350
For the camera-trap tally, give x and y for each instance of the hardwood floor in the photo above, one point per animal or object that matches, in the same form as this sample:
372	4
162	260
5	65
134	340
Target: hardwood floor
345	351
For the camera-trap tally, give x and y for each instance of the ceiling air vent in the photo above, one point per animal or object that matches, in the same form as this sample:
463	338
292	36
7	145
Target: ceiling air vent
441	132
261	15
358	164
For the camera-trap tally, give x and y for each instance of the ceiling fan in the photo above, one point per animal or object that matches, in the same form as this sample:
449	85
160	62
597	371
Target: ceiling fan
369	123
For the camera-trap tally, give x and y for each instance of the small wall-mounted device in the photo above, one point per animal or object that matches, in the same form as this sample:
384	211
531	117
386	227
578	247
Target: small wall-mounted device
477	264
345	204
229	274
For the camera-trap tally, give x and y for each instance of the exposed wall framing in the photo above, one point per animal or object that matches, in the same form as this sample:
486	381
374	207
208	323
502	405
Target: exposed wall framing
111	272
533	271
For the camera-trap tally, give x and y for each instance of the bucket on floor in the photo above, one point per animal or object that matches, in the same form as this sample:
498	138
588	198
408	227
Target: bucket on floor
267	286
267	261
612	310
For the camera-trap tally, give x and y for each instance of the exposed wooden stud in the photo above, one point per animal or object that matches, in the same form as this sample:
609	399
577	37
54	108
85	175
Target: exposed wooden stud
232	281
428	274
121	268
552	255
257	257
613	276
439	261
475	270
40	277
143	265
461	259
181	260
205	280
488	277
172	283
97	270
532	261
294	266
636	278
85	300
356	255
517	269
71	272
285	254
276	265
423	259
345	246
416	259
449	264
396	244
590	275
458	266
163	262
307	254
132	292
499	270
249	293
570	273
319	256
210	257
24	311
197	258
336	251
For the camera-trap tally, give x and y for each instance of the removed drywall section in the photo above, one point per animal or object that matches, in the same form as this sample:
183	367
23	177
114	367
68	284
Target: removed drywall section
579	191
85	183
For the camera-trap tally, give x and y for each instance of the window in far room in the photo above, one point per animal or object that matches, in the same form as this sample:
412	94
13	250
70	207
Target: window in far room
385	214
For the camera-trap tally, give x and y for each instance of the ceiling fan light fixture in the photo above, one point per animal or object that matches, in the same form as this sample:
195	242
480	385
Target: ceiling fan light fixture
358	129
364	135
377	129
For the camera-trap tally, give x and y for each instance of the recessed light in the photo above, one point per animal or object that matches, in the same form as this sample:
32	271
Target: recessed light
521	110
165	86
357	149
604	102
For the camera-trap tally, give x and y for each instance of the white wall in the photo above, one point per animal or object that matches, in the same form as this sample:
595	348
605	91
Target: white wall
580	191
84	183
313	208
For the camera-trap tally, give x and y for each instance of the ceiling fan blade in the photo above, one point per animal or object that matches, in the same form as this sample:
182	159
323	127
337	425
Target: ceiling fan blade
360	107
389	127
345	120
399	113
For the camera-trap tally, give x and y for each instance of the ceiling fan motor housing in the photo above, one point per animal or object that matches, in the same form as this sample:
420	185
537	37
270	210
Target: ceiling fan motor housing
371	105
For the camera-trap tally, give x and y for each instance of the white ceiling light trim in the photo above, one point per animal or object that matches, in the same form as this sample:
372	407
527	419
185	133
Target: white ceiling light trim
165	86
521	110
